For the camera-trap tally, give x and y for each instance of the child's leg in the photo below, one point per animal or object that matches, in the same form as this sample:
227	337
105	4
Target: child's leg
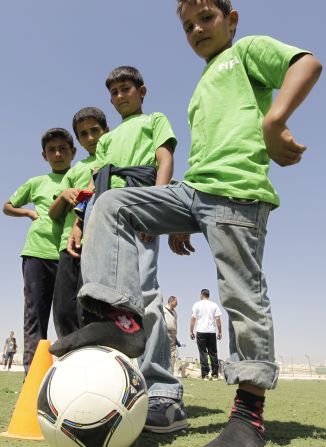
155	363
65	314
39	277
110	268
164	390
236	232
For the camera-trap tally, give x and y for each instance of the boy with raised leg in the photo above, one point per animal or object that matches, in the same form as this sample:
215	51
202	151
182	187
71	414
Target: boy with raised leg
41	251
226	194
89	125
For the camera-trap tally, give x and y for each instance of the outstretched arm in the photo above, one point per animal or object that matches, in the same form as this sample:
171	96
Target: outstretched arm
299	80
10	210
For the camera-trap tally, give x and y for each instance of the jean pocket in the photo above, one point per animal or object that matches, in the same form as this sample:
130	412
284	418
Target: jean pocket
242	212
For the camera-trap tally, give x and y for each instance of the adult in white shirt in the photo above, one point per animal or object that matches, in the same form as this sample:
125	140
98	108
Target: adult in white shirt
206	316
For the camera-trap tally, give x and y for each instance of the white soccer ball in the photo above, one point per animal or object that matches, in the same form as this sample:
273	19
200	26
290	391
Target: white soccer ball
92	397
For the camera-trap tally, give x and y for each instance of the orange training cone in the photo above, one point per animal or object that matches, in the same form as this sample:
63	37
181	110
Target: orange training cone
24	423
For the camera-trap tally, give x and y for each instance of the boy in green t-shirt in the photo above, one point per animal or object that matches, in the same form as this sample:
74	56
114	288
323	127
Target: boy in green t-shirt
41	251
89	125
141	145
226	194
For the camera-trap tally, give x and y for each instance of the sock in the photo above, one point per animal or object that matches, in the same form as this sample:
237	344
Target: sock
249	408
124	320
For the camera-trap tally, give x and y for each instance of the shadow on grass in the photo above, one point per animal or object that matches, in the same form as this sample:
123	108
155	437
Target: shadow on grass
280	433
283	433
194	411
155	440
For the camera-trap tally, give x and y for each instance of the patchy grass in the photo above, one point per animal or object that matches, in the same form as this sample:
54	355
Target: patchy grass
295	414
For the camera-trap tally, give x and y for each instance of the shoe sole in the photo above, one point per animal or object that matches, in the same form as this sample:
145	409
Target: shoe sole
176	426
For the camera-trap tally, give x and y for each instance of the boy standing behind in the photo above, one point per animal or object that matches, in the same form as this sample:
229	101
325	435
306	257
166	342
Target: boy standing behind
40	254
89	125
226	194
141	144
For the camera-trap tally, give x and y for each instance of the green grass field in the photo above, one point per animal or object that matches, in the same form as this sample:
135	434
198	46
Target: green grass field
295	414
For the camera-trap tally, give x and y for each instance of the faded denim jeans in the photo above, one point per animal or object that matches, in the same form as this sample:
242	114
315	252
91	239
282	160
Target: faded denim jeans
235	231
155	363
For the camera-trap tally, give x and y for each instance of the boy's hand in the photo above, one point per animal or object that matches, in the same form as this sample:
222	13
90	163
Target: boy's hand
280	144
74	240
180	244
70	195
33	215
146	237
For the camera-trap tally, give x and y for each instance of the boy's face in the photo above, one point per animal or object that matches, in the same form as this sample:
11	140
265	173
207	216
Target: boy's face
208	31
89	131
59	154
126	98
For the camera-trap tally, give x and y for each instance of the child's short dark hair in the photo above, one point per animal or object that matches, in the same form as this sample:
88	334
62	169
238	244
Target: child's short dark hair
224	5
204	292
87	113
124	73
56	132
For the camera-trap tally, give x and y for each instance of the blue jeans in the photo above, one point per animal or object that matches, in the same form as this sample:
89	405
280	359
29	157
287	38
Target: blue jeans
155	363
235	231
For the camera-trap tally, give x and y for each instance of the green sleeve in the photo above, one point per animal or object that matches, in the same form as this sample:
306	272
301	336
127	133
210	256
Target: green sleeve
101	150
22	196
162	131
267	60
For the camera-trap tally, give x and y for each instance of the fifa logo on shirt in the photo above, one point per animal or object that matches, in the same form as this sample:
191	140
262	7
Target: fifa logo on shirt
228	65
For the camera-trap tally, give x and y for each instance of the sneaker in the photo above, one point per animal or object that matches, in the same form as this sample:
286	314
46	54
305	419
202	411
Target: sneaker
214	377
123	331
165	415
237	433
206	378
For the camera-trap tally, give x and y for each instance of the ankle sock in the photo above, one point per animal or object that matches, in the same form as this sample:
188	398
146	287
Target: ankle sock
249	408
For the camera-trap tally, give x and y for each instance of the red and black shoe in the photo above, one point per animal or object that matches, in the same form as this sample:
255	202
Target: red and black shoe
122	331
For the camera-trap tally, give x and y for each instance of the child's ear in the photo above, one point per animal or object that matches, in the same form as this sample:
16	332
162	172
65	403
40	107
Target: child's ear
142	91
44	155
233	20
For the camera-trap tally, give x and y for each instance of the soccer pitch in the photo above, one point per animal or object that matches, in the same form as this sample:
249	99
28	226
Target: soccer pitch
295	414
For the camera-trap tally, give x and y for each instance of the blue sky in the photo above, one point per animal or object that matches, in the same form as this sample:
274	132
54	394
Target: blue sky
55	58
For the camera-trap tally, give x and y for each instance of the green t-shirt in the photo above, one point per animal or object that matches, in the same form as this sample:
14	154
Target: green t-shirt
78	176
134	143
228	155
43	237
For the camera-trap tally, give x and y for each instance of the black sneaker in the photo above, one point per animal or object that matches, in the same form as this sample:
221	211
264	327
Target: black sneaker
238	433
123	332
165	415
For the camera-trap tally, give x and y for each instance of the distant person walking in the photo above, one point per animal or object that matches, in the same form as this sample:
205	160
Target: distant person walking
170	316
206	315
9	350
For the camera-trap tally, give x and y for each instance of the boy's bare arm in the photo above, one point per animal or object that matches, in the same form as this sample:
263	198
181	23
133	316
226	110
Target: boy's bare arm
10	210
299	80
63	203
74	239
164	157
